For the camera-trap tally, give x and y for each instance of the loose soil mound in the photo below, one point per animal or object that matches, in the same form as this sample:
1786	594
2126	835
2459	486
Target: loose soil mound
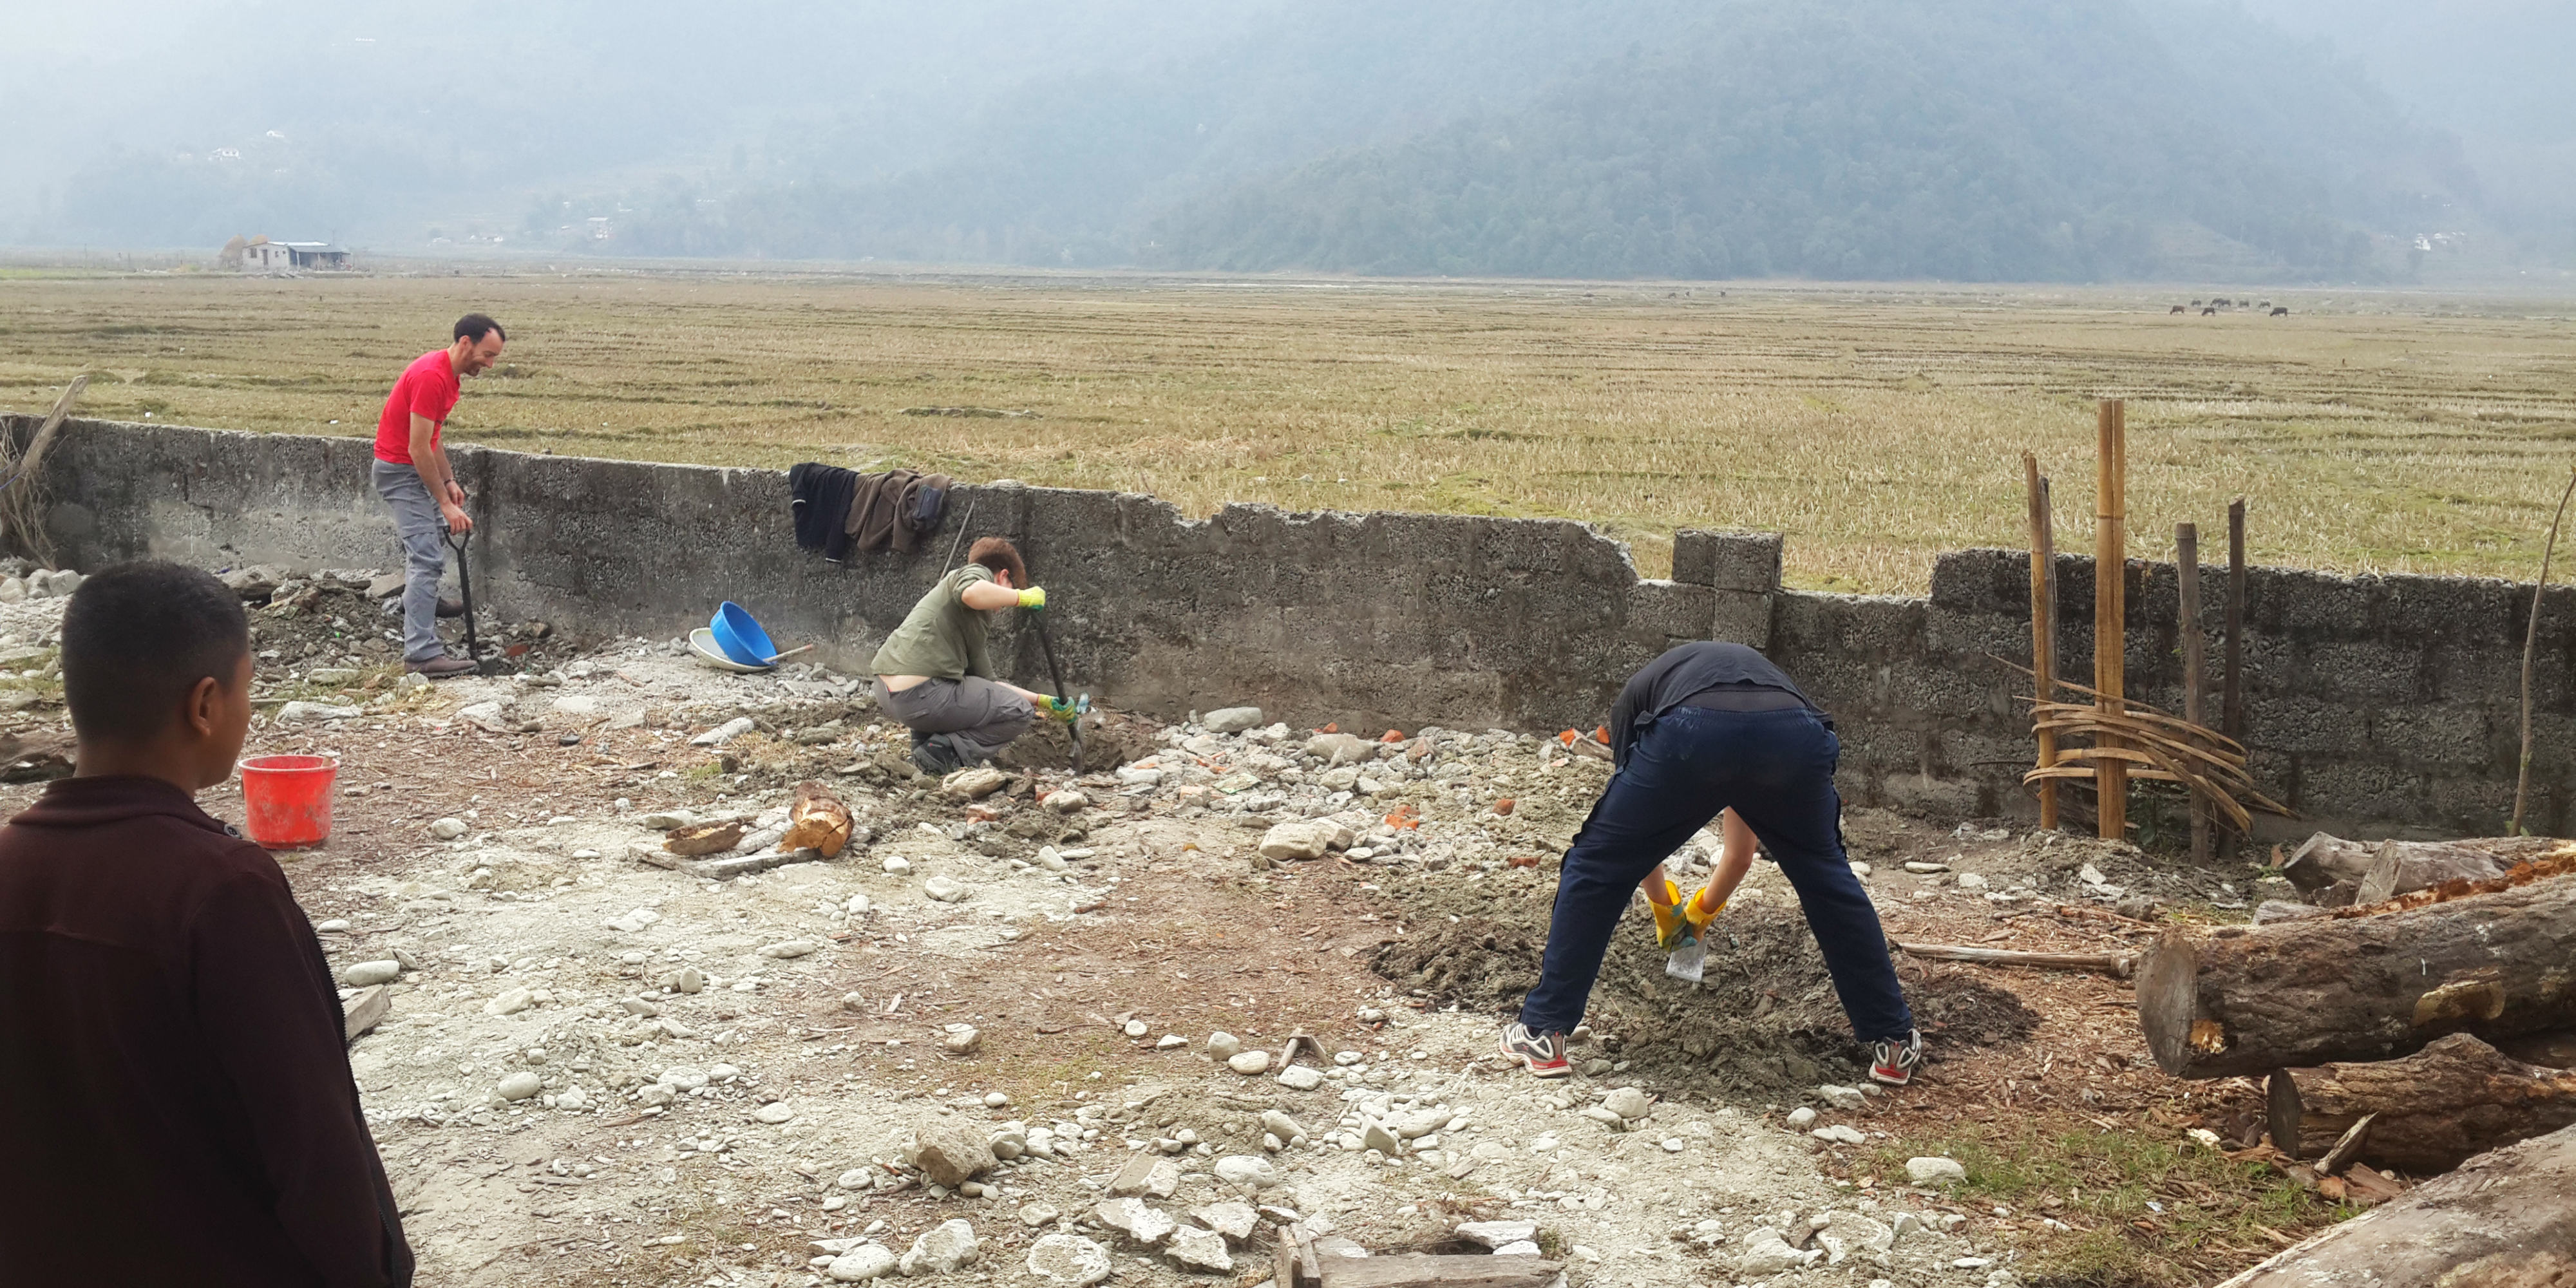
1764	1020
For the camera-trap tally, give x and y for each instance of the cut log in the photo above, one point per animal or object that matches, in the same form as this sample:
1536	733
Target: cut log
2251	999
2120	964
2433	1110
2506	1219
2326	860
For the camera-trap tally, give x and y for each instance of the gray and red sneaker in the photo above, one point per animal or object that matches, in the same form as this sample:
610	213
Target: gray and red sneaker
1544	1053
1892	1060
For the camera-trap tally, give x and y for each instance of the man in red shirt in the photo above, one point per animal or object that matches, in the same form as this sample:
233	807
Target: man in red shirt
412	475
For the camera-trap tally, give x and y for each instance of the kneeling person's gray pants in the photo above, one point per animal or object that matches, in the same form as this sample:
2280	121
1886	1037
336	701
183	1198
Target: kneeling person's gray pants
982	714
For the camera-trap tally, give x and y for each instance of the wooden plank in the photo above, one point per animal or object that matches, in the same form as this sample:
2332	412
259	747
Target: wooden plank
2231	712
2195	663
364	1011
2043	624
2117	964
2110	604
1472	1271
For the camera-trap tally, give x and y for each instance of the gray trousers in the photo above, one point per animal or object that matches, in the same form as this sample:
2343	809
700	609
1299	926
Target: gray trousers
977	712
424	537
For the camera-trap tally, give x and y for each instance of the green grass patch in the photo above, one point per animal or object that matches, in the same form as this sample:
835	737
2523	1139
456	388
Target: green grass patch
2140	1211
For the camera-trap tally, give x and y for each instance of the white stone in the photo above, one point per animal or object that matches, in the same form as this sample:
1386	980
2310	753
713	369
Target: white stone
1247	1169
1378	1136
945	890
867	1261
973	783
511	1001
1524	1248
1495	1234
1066	801
1169	1041
1935	1171
1288	842
579	706
1249	1062
857	1178
774	1113
447	829
1192	1248
946	1247
519	1086
318	711
1842	1097
1298	1077
790	949
1235	1220
1767	1253
1281	1125
1923	869
897	865
1839	1134
1051	859
366	974
1223	1045
1801	1118
1133	1218
634	921
1068	1260
1971	881
724	733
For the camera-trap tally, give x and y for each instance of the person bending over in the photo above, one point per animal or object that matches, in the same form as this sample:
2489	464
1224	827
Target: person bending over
412	474
1704	729
175	1097
935	676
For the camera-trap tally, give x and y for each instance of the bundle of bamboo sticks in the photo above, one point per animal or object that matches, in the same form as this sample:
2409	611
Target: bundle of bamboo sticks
2151	746
24	499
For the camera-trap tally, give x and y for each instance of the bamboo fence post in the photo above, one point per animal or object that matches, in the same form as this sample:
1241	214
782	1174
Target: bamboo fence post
2530	645
2043	625
2110	608
2232	710
2195	662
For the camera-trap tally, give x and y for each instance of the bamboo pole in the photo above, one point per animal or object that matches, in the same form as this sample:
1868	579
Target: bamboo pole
2232	710
2530	646
2043	624
2110	606
2195	661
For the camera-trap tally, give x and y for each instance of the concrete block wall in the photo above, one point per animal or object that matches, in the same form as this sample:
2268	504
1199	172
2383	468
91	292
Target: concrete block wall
2376	705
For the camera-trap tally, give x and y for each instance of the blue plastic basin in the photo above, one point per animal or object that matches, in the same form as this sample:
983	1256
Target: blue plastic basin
740	637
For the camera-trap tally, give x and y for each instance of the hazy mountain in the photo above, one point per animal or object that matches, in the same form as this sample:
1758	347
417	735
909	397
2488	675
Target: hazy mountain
1834	138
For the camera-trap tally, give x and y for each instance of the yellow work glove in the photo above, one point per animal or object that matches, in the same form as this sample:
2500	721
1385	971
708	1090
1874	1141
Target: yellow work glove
1699	914
1672	930
1062	709
1033	597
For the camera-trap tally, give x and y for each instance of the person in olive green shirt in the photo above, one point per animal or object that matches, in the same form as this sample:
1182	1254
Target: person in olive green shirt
935	676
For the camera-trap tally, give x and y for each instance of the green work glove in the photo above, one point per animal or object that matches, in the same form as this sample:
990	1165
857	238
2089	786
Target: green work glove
1062	709
1033	597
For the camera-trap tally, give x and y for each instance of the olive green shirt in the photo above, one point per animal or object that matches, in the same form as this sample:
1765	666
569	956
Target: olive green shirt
941	638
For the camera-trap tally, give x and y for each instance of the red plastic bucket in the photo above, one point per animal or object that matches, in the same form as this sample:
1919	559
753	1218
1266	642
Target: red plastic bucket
287	799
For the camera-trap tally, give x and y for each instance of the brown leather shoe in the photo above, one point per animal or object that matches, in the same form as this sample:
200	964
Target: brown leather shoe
440	668
451	607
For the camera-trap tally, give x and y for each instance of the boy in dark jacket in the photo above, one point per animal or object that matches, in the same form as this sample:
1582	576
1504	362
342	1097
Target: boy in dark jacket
175	1097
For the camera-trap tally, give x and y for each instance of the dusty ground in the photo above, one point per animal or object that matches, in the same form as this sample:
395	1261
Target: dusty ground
714	1137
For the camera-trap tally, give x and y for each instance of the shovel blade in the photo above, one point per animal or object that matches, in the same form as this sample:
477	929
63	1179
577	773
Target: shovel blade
1687	962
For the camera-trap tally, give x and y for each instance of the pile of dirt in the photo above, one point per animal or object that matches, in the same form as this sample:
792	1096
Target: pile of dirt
1763	1021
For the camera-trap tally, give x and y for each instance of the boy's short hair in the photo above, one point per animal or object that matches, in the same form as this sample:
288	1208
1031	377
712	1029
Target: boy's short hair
137	637
1000	556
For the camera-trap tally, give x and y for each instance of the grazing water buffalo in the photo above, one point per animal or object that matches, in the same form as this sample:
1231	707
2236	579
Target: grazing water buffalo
2281	311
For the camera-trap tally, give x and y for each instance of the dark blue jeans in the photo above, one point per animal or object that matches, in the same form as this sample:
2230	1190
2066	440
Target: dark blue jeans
1775	769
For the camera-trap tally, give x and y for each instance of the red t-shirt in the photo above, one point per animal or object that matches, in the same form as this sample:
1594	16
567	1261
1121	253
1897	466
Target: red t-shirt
429	387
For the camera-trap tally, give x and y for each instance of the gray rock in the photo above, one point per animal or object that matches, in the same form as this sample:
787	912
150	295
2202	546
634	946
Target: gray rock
946	1247
1842	1097
1801	1118
945	890
1249	1062
1935	1171
1848	1232
1038	1215
1628	1102
867	1261
1340	748
1378	1136
1298	1077
1524	1248
1490	1235
1066	801
1236	1221
1136	1220
724	733
366	974
447	829
1224	1046
973	783
948	1153
1068	1261
1766	1253
1195	1249
1839	1134
520	1085
318	711
790	949
857	1178
1281	1125
1231	719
